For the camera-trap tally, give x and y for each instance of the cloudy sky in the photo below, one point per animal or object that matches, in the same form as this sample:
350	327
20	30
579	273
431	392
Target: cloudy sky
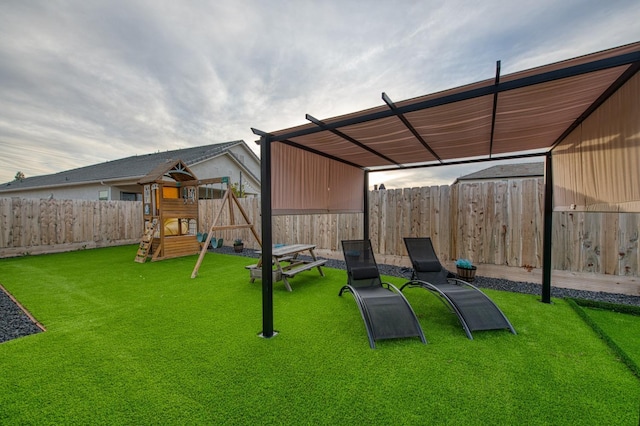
87	81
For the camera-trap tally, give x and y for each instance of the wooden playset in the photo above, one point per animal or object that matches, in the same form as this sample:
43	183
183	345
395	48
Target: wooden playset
170	212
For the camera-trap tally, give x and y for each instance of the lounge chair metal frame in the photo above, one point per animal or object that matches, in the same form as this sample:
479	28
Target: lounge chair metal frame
447	294
376	290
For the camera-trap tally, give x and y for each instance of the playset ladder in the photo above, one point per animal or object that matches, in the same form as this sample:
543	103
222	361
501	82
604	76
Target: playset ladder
145	243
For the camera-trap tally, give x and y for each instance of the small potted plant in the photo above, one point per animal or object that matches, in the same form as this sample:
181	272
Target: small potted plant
466	270
238	245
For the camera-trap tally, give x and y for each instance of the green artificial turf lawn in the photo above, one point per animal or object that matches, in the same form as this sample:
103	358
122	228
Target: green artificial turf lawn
624	329
130	343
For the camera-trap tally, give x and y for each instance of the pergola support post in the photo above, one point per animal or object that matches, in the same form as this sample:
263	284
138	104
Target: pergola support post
267	237
548	228
365	207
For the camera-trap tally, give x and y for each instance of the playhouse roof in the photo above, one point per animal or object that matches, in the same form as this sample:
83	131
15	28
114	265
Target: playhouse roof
171	169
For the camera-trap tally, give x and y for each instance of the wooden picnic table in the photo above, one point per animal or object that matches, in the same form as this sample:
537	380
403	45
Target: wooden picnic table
287	264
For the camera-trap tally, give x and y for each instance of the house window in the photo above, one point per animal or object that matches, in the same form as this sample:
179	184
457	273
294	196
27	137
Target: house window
103	195
130	196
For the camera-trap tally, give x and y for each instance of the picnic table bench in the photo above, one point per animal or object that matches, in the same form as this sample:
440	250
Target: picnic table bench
287	263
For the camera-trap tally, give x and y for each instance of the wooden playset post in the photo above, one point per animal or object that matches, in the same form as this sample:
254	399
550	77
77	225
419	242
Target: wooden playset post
231	199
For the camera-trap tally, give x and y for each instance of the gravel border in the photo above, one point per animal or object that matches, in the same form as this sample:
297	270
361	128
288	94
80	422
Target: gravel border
14	322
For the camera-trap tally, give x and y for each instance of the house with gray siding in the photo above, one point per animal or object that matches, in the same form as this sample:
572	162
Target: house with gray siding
118	179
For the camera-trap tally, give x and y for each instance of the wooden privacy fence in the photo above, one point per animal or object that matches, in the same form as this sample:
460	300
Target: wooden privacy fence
490	222
32	226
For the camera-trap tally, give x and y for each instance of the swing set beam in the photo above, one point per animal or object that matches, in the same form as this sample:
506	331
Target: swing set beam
231	199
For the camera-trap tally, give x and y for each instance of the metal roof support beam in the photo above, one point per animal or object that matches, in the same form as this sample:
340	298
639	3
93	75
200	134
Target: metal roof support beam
324	126
455	163
573	71
495	107
306	148
258	132
409	126
320	153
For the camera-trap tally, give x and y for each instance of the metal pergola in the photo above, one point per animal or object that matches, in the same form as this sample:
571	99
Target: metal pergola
602	73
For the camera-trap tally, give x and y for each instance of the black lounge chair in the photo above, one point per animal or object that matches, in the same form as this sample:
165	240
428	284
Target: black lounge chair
384	309
474	308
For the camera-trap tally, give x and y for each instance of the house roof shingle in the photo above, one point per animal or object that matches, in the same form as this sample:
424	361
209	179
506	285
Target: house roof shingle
507	171
133	167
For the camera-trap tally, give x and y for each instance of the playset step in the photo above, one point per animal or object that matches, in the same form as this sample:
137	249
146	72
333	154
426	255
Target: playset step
145	242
